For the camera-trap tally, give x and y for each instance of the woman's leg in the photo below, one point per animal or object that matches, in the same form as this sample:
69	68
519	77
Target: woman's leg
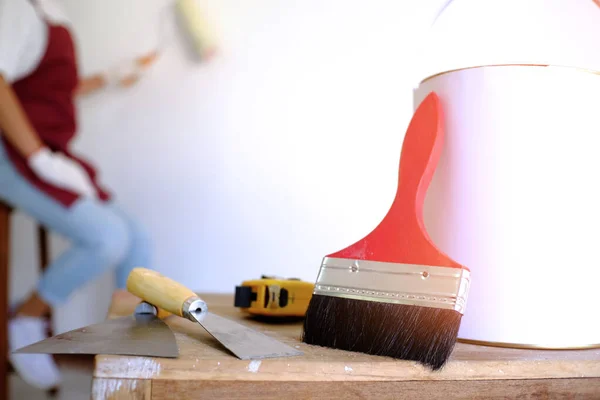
100	240
139	253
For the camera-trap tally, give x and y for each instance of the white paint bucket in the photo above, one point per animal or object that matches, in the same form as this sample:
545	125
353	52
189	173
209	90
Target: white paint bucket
516	196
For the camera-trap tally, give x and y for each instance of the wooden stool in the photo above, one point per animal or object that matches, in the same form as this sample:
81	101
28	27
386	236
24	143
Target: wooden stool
42	238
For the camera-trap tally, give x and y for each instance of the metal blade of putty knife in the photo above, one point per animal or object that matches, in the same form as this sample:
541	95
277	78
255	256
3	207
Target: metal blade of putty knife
140	334
244	342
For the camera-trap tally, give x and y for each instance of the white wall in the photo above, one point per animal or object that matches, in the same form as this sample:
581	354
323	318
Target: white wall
282	150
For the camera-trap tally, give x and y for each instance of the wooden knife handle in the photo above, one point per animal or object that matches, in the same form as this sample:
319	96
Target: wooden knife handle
162	314
159	290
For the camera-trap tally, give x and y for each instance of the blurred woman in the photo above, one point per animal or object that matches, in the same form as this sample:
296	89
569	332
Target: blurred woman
41	176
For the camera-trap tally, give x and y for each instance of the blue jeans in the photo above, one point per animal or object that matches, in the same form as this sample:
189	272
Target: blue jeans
102	235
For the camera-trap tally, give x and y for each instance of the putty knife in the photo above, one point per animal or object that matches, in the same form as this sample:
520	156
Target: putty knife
245	343
140	334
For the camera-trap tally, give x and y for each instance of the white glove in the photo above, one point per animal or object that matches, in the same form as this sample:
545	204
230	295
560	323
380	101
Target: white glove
61	171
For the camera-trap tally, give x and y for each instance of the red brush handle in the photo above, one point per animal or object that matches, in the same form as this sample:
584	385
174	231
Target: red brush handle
401	236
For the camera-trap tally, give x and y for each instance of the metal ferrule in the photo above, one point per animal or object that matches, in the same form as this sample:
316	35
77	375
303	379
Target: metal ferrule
194	308
145	308
418	285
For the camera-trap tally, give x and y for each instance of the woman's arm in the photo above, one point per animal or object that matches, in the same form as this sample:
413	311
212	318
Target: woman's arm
90	84
96	82
14	123
50	167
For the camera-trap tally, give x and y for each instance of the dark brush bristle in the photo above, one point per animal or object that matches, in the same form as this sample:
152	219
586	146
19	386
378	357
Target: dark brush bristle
422	334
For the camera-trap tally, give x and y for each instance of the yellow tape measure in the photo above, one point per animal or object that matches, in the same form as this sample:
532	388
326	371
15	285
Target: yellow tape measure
274	296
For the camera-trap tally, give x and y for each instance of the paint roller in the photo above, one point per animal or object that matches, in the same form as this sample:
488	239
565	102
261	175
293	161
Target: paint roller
193	24
199	33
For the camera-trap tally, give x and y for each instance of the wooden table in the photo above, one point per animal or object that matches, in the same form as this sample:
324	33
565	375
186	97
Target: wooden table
206	371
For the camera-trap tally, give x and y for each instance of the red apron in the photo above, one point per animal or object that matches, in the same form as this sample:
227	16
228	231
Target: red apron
47	96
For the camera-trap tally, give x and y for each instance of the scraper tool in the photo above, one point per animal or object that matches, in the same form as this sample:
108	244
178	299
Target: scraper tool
245	343
140	334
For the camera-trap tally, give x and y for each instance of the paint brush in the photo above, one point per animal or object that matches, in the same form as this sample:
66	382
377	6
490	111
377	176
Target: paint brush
394	293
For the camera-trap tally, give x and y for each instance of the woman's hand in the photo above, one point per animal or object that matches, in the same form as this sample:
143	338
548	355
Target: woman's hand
140	64
129	73
61	171
125	75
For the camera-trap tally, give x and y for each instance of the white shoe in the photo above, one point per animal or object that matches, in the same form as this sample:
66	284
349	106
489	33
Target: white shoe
38	370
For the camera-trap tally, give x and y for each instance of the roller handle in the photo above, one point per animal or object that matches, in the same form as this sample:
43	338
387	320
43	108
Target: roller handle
160	291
